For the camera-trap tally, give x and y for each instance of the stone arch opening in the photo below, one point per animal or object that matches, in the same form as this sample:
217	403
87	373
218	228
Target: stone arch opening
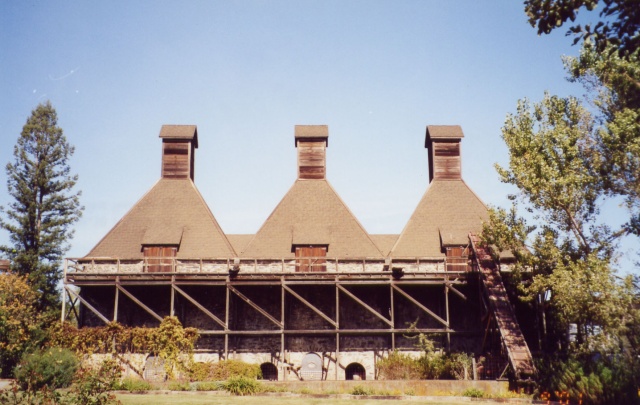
355	371
269	371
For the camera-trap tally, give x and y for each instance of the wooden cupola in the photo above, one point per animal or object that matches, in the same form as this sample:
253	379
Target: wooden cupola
311	143
178	151
443	143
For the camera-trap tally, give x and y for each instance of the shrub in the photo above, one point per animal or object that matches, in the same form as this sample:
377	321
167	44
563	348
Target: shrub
53	368
473	393
210	386
93	384
199	371
179	386
242	386
400	366
134	385
360	390
20	321
223	370
459	366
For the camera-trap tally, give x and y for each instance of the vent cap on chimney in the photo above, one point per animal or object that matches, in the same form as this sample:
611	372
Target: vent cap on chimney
443	143
311	142
178	151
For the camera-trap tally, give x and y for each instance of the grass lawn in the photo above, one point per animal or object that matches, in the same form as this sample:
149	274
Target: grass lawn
213	399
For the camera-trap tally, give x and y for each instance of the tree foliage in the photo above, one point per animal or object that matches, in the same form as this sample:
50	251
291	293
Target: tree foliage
20	322
44	206
567	158
619	25
613	85
552	155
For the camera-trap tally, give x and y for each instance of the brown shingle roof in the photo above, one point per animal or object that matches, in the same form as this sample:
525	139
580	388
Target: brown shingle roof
172	212
447	212
311	213
445	131
384	242
311	132
239	241
186	132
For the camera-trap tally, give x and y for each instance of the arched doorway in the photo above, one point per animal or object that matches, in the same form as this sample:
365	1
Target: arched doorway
355	371
269	371
311	368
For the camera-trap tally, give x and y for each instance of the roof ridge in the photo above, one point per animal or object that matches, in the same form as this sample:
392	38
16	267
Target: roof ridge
213	218
354	217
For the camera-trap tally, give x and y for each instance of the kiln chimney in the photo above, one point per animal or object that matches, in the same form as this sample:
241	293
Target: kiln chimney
312	142
178	151
443	143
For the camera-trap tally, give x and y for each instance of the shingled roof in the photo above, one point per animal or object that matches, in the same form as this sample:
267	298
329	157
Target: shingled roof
312	213
447	212
172	213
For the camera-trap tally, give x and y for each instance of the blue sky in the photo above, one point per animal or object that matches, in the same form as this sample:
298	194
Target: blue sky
246	72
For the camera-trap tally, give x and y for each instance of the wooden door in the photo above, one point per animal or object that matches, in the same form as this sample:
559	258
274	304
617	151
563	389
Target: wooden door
457	258
311	259
159	258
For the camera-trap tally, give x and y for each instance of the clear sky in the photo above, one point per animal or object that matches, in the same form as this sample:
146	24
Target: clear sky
246	72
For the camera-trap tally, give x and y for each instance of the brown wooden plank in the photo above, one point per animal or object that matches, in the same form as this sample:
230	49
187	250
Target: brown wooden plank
140	303
419	305
311	306
365	305
86	304
255	306
200	307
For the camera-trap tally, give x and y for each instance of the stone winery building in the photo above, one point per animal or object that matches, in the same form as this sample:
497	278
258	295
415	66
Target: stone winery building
311	295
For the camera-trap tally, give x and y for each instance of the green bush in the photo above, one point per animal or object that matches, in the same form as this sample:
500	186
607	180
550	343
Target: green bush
590	380
134	385
179	386
400	366
473	393
210	386
52	368
360	390
242	386
93	384
223	370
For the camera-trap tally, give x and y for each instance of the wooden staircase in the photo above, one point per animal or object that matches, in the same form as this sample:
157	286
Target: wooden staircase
512	338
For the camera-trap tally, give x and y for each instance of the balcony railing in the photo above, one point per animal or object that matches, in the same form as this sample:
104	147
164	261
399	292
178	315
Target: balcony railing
164	265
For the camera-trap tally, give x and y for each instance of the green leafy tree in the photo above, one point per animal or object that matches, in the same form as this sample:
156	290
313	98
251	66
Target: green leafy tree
555	161
619	25
20	322
551	151
613	89
45	205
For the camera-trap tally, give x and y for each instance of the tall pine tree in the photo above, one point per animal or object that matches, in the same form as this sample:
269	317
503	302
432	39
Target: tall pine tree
45	204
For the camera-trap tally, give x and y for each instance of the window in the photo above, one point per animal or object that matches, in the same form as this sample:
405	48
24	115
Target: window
311	258
159	259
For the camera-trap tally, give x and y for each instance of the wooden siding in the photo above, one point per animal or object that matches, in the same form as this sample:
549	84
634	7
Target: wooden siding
446	160
457	258
311	159
176	160
311	259
155	258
